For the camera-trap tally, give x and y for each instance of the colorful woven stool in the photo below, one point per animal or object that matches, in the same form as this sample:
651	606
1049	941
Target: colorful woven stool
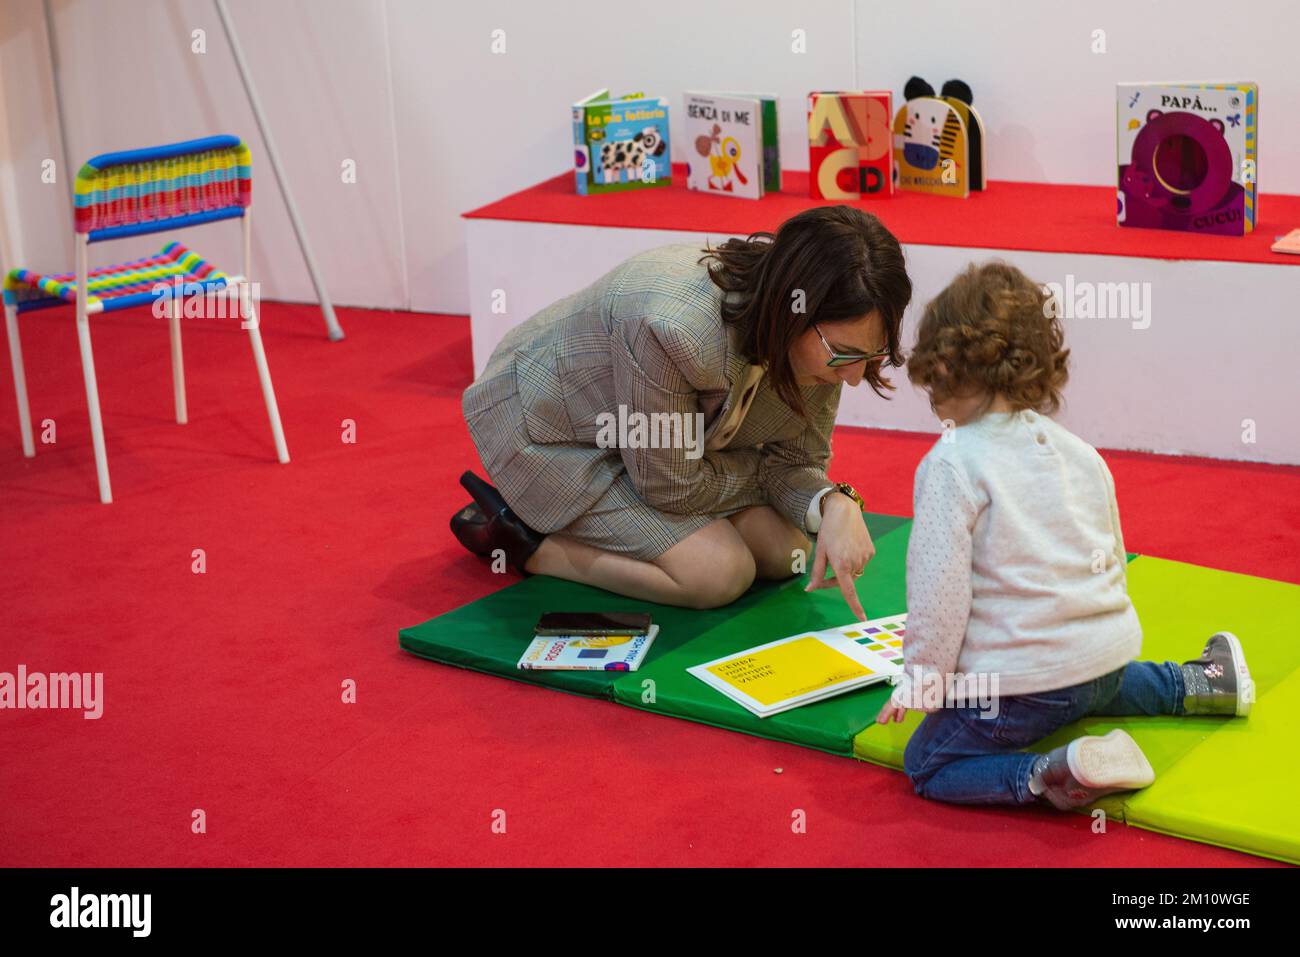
130	194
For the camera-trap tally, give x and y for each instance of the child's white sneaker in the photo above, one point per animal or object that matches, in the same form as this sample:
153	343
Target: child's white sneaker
1091	767
1219	682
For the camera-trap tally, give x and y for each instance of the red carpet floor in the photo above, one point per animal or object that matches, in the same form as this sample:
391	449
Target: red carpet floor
223	689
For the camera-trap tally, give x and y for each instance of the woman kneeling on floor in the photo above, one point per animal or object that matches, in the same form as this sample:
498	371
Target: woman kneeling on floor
665	432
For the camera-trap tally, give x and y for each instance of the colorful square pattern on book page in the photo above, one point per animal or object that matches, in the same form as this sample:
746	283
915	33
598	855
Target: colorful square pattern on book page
887	644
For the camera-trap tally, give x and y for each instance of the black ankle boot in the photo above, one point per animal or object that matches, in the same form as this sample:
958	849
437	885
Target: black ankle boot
488	524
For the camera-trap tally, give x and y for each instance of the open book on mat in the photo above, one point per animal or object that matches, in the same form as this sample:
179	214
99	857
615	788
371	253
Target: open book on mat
809	666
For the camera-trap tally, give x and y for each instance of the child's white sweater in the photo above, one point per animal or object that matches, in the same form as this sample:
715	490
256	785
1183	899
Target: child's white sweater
1016	564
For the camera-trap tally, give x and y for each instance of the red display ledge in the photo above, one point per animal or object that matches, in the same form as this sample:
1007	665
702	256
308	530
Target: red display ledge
1038	217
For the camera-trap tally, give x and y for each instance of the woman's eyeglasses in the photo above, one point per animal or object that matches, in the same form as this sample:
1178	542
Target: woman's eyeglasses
838	359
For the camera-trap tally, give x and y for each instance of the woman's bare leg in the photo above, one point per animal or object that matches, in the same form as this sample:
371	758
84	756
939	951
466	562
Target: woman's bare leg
709	568
773	541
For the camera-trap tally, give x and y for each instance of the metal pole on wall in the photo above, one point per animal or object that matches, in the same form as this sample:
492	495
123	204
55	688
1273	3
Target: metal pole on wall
331	322
69	174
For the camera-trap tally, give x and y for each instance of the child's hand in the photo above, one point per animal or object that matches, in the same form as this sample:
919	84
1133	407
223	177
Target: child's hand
891	712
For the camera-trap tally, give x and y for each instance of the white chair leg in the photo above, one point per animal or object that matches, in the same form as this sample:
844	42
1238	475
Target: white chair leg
264	376
178	360
92	400
20	381
88	369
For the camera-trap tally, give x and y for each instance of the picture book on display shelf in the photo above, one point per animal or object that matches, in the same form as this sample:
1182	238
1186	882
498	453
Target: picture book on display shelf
849	155
938	140
620	143
733	148
810	666
1187	156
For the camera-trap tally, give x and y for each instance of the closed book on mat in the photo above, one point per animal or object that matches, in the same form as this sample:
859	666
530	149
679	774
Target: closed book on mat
588	652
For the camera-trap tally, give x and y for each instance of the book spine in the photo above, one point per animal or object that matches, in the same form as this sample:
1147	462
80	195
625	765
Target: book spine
1251	92
771	147
581	153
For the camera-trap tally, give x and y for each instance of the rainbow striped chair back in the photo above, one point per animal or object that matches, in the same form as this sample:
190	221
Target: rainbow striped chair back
163	188
131	193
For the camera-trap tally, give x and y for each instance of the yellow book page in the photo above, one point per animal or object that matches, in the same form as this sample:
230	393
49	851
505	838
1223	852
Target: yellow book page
789	670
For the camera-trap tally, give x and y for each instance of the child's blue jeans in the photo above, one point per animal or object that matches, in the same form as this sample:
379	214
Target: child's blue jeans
963	756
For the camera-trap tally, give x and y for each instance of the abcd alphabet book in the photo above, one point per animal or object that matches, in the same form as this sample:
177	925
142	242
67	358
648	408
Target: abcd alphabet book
732	144
810	666
849	154
1187	156
620	144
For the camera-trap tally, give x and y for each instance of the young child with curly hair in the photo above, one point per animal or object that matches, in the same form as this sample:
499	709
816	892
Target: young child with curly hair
1016	572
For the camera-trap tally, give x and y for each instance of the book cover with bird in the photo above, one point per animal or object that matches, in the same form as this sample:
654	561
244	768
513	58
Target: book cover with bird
732	144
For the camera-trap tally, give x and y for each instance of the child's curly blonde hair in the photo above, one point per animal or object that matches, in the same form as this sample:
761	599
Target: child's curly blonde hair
992	330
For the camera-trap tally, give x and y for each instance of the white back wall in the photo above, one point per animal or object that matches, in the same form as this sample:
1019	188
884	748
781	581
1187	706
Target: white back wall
131	78
437	123
1048	100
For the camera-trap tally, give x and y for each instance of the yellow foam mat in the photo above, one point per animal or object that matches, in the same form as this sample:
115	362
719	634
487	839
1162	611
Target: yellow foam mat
1226	781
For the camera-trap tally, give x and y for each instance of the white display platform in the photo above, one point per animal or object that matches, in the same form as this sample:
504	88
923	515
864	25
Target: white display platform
1214	372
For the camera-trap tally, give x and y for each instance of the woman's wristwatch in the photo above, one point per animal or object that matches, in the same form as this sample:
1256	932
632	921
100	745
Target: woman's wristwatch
813	520
844	488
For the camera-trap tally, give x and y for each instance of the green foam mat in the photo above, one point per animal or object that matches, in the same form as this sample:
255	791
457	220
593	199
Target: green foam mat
1222	781
829	725
490	634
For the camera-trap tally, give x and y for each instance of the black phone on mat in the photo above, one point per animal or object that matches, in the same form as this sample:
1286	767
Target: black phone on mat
594	623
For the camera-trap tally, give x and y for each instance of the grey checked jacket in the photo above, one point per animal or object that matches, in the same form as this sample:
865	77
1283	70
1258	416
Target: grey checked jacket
648	335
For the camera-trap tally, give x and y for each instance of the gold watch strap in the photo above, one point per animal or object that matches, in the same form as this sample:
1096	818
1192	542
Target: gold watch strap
844	488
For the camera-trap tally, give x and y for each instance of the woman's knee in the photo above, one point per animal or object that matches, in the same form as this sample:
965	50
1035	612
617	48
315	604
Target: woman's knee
789	555
780	549
724	580
712	570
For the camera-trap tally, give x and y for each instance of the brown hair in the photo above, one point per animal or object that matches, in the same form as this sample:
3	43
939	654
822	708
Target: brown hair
845	263
993	330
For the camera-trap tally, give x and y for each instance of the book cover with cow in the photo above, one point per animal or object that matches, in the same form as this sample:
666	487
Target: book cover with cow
620	143
850	154
732	144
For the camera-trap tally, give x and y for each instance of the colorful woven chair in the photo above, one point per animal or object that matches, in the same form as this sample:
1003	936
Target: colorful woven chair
129	194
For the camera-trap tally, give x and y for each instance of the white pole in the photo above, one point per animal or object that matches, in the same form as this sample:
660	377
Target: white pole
248	243
249	317
69	174
331	322
249	311
88	370
172	310
20	380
